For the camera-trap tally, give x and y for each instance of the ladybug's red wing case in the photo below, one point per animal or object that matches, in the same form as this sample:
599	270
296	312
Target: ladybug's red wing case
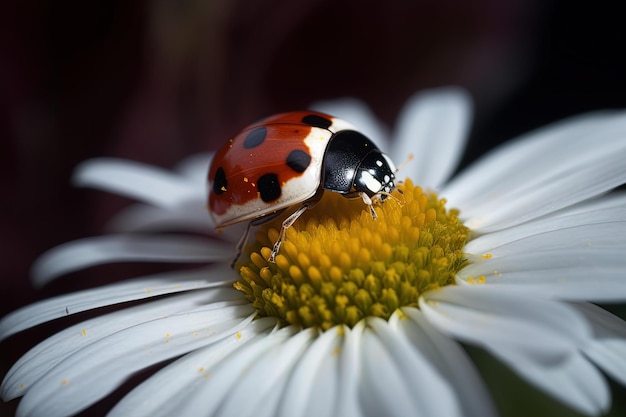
268	166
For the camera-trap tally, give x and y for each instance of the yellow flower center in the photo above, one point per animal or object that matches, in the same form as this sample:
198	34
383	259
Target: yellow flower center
338	265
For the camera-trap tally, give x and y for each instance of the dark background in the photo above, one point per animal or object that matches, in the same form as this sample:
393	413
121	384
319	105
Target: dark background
156	81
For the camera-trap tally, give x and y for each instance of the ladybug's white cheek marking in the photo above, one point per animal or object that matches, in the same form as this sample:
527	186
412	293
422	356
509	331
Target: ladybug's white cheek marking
370	182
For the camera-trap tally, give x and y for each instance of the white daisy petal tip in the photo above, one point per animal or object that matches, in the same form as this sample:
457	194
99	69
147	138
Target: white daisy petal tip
433	127
448	96
134	180
84	253
546	170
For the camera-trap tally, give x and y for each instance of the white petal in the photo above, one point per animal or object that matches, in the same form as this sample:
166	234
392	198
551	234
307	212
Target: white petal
313	387
164	392
131	290
603	210
135	180
608	349
554	168
357	113
449	358
587	273
96	370
610	356
545	330
565	187
605	325
266	379
208	397
602	204
515	162
398	380
47	354
539	339
433	126
609	235
192	217
382	392
84	253
349	370
571	380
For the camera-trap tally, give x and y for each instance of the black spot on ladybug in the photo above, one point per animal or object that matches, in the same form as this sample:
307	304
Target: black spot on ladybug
317	121
255	138
220	184
269	188
298	160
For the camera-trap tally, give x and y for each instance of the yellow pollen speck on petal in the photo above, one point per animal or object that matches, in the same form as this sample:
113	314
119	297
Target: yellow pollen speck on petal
201	369
64	382
486	256
477	280
22	385
83	332
338	265
238	335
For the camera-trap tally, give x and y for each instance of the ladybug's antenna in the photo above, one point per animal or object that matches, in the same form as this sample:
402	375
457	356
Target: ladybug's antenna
406	161
403	201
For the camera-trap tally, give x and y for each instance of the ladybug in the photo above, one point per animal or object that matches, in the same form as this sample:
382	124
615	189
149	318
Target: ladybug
290	159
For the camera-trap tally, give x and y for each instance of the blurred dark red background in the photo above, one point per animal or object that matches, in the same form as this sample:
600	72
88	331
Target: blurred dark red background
156	81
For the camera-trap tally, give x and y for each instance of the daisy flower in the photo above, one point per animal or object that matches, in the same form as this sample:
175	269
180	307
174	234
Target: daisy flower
357	317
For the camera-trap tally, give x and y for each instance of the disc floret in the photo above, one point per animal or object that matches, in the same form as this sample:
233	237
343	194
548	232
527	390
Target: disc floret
339	265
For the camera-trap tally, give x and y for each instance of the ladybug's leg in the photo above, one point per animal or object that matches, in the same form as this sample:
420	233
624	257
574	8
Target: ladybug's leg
367	200
241	243
244	238
289	221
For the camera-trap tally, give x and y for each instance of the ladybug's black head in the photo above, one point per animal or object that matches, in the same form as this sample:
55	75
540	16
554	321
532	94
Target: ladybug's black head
354	166
375	175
